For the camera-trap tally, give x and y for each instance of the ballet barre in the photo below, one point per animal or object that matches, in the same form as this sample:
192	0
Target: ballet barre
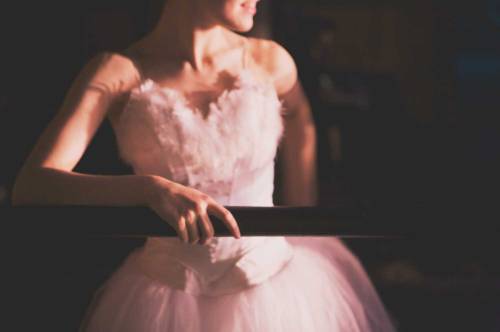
133	222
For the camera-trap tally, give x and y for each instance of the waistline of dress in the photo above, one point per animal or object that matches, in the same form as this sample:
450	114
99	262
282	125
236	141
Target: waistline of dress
199	270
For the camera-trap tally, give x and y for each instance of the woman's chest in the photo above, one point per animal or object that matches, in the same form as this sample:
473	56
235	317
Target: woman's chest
241	125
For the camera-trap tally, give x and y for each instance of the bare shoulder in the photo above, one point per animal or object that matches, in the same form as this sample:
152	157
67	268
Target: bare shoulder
276	61
110	73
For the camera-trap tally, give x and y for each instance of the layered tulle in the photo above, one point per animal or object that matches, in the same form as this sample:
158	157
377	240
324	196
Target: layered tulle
323	288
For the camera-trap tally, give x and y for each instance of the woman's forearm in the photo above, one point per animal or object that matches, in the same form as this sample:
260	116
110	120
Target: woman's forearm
48	186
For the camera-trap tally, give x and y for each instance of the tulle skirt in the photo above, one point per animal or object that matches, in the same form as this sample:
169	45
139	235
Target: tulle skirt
322	288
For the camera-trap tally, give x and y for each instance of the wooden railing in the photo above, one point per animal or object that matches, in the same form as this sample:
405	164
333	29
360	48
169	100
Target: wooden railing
253	221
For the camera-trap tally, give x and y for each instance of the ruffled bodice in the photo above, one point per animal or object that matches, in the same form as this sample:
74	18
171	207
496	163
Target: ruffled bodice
159	134
229	154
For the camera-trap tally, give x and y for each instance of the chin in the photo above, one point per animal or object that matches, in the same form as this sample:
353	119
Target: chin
238	25
242	26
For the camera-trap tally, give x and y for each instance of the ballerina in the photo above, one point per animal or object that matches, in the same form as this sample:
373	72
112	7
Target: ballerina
200	113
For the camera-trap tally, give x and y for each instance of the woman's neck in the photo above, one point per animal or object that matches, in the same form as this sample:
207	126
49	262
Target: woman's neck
184	33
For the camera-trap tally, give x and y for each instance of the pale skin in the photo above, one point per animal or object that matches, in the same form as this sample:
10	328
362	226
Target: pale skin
206	48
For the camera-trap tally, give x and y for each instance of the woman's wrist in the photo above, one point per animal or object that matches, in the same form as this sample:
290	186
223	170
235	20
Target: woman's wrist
153	184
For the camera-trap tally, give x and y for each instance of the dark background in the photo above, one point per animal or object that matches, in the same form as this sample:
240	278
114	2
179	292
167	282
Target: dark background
405	96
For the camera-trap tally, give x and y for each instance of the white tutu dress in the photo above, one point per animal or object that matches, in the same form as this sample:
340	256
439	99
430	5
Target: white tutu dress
252	284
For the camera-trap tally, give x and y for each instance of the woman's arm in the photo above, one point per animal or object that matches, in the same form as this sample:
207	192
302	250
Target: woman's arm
46	176
298	151
298	147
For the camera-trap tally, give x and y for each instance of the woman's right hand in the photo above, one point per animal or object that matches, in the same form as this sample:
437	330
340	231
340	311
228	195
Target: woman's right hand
186	210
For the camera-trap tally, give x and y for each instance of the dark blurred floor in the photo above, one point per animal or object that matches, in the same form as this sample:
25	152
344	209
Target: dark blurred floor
436	284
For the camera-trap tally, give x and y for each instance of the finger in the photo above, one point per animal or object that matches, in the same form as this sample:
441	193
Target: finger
226	217
205	225
203	231
181	229
192	227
